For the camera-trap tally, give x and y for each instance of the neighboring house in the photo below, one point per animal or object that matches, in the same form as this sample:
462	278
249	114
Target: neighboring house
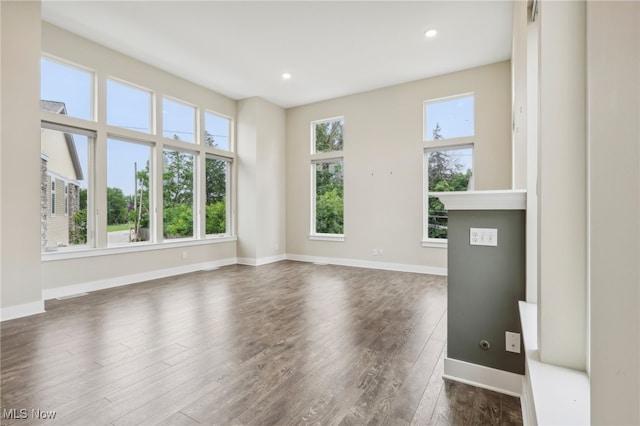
60	176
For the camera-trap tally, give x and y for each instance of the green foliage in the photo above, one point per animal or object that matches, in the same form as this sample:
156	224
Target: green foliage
78	231
329	136
83	199
445	175
329	198
117	211
216	222
178	221
330	212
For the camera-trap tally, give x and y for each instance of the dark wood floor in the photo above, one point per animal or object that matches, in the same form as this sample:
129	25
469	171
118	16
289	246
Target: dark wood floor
286	343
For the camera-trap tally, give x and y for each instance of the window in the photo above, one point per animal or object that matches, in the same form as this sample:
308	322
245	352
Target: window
448	158
128	195
53	196
65	158
327	164
128	182
177	194
66	90
128	107
66	199
217	208
178	121
216	131
449	118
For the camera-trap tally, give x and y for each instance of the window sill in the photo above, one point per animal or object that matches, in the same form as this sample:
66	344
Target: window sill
558	395
327	237
141	247
433	243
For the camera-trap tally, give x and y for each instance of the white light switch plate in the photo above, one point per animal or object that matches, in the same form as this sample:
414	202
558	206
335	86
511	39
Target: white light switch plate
513	342
483	237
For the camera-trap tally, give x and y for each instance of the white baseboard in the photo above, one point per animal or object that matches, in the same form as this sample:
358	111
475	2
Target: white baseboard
483	377
19	311
399	267
262	260
87	287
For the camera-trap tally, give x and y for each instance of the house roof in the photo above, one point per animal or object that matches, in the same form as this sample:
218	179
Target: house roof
60	108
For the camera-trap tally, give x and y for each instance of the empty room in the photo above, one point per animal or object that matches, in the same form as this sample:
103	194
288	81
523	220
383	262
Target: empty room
320	212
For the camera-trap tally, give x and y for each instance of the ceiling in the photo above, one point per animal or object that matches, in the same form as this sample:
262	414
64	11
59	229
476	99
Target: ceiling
331	48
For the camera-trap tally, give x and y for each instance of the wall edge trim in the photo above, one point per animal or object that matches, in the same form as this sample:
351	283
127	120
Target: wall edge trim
483	377
357	263
90	286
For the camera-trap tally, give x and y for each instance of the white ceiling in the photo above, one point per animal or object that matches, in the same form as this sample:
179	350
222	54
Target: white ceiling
332	48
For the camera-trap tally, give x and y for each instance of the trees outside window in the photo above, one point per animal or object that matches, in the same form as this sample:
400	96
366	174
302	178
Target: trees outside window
327	162
448	157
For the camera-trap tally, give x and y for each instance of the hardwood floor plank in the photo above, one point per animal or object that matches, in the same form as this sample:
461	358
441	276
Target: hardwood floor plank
288	343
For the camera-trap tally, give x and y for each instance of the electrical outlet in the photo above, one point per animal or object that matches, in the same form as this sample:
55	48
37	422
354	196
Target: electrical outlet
483	237
380	252
184	255
375	252
512	342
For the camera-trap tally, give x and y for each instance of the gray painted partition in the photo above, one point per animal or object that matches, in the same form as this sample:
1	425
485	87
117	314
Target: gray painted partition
484	287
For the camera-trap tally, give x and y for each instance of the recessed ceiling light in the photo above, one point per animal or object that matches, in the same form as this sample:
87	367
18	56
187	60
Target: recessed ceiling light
431	33
286	76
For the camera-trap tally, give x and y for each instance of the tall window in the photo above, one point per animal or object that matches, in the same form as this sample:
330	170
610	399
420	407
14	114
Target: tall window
448	158
217	176
128	195
65	159
177	194
167	178
327	164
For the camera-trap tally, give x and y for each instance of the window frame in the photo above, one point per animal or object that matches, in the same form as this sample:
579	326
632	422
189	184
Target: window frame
53	198
443	144
119	129
99	132
93	116
228	198
322	158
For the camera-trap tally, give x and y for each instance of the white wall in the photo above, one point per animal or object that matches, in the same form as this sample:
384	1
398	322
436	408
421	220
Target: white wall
383	154
20	168
562	187
261	181
613	42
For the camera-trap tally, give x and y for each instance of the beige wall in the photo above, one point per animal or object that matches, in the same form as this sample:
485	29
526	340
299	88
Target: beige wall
383	156
20	145
613	52
261	180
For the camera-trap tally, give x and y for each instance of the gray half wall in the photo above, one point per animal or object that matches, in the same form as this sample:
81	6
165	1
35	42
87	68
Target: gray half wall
484	286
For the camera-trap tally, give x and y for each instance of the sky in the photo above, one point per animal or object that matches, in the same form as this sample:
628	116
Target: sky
128	107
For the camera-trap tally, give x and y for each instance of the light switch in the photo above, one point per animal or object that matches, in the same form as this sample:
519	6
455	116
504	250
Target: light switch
483	237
